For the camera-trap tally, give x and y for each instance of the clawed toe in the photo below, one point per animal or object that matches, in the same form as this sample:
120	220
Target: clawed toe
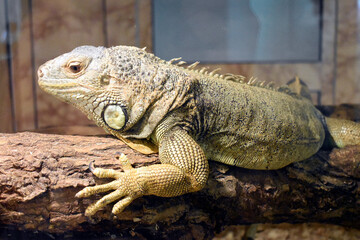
125	163
109	198
88	191
121	205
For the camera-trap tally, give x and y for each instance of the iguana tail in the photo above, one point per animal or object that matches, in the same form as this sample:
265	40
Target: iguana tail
342	132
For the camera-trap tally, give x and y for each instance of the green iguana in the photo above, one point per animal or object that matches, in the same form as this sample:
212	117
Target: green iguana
187	115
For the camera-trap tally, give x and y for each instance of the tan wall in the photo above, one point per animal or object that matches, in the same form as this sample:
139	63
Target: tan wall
59	26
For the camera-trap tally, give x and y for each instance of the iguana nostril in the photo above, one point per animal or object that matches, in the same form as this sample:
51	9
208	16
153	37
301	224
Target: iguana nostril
40	73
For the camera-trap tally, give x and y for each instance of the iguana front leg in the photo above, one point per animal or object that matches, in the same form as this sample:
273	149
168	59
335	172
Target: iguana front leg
183	169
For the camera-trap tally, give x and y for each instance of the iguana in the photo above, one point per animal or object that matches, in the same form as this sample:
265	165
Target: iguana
188	115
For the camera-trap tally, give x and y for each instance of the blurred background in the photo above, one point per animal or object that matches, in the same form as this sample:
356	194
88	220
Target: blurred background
272	40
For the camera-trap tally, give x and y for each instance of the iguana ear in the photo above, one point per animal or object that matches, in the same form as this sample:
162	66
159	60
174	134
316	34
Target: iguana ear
141	145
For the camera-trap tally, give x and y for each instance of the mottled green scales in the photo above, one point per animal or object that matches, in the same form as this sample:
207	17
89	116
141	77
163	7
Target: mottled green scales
187	115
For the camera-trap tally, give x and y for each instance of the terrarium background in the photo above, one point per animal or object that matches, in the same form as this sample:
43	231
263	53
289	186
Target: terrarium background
50	28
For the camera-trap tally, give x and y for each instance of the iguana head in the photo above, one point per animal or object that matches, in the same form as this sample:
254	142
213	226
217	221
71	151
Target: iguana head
125	90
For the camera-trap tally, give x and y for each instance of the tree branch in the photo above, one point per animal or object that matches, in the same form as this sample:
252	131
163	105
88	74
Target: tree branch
40	174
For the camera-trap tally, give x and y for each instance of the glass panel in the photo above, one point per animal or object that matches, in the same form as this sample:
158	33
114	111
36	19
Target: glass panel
238	31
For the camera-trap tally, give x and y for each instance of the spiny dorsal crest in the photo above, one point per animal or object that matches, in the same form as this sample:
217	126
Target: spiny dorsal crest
204	70
231	77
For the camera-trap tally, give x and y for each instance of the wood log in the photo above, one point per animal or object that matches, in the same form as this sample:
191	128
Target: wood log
41	173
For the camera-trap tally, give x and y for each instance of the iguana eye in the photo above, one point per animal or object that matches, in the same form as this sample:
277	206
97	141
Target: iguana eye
75	67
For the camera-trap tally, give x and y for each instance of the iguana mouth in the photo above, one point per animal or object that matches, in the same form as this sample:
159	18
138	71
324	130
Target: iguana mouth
62	85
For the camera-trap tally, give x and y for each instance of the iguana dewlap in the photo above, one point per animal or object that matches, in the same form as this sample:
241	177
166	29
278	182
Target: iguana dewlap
187	115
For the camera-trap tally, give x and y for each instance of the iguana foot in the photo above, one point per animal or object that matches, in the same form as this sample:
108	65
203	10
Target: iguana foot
125	187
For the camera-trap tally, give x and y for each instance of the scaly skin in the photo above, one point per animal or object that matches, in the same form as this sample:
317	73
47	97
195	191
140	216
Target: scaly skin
188	116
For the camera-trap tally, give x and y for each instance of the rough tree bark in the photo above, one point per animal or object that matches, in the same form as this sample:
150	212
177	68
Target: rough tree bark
40	174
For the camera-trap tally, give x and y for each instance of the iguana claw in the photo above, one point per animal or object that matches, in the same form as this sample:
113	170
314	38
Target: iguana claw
91	166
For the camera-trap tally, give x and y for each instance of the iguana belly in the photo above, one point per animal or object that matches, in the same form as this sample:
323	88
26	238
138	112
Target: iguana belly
261	156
